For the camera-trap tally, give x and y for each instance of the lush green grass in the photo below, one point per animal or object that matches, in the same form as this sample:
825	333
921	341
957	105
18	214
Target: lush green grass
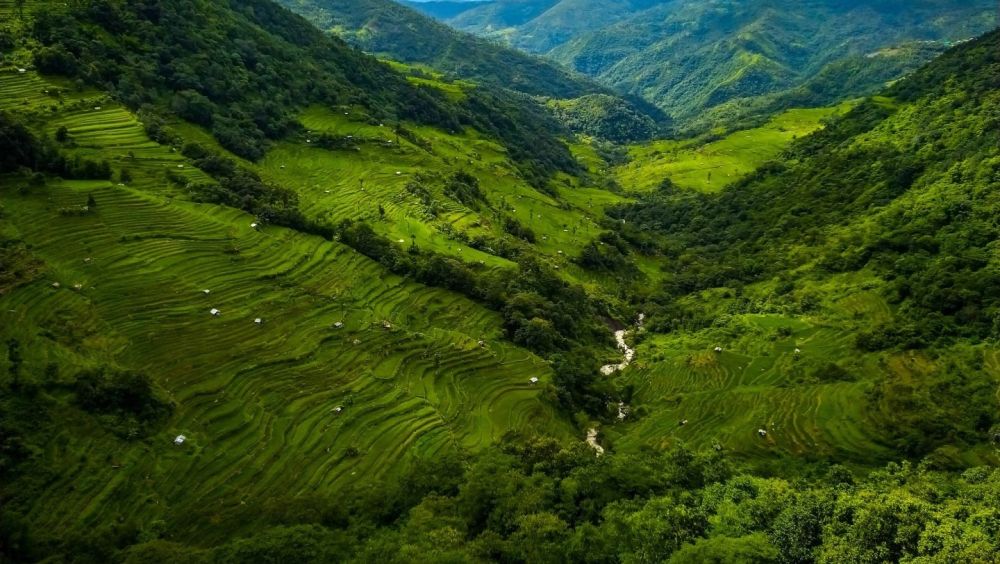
256	402
711	166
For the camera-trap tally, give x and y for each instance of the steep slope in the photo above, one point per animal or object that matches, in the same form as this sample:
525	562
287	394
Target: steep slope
850	287
399	33
539	27
441	10
493	18
142	303
688	57
242	68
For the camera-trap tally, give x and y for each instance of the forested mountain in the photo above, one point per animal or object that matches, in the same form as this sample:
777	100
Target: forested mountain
894	201
401	34
688	57
442	10
266	298
282	63
386	28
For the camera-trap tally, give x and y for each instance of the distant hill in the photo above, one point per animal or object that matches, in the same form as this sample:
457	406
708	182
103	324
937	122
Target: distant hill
690	56
441	10
387	28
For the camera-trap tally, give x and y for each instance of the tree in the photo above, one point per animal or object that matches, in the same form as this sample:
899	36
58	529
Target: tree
125	176
91	202
381	211
62	134
752	549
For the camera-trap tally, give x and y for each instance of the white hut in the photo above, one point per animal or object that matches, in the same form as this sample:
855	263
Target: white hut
179	439
258	321
215	312
718	349
533	380
762	433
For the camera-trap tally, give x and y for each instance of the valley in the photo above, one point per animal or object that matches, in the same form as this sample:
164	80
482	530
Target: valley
416	312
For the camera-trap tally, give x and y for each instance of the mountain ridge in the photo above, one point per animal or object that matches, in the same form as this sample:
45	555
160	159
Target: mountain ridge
689	57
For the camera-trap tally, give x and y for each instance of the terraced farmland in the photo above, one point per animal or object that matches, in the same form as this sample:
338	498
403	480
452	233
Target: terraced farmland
725	398
258	402
351	184
709	167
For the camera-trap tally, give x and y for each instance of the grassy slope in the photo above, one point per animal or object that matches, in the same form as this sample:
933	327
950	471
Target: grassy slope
711	166
351	184
255	401
759	321
398	32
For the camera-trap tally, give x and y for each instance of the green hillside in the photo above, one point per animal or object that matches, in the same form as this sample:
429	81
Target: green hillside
111	271
400	34
352	370
846	283
266	298
710	164
397	32
742	60
441	9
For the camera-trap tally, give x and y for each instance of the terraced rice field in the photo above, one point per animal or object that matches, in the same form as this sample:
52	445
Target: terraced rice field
351	184
258	402
725	398
712	166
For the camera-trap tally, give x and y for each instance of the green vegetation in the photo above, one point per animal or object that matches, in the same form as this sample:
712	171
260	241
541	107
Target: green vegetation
862	243
253	92
388	29
382	326
606	117
350	372
735	62
708	165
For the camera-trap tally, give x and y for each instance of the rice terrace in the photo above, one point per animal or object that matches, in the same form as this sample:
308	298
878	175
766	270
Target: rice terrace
323	281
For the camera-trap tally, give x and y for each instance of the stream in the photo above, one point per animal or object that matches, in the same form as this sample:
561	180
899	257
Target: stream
628	354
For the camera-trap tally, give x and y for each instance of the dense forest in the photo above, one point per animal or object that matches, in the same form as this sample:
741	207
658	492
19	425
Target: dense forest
711	64
266	298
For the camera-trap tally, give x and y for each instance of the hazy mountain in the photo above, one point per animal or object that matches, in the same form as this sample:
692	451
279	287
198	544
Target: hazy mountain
387	28
689	56
399	33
